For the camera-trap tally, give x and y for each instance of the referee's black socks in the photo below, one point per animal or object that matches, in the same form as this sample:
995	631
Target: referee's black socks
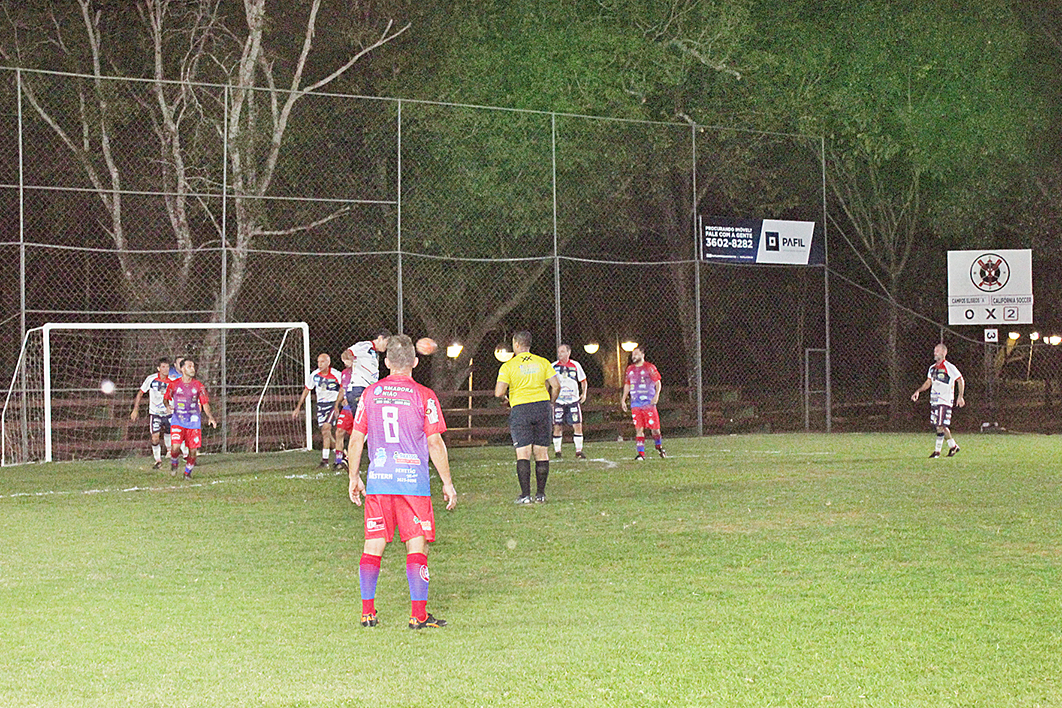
523	474
541	473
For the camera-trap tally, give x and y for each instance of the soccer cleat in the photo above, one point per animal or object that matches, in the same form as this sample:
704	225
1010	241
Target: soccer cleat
663	455
158	463
369	620
187	474
428	621
540	498
640	457
936	453
580	454
952	451
558	454
322	464
173	469
523	500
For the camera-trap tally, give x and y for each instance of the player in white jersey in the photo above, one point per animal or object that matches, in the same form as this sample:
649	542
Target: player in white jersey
325	383
366	368
567	409
946	387
158	417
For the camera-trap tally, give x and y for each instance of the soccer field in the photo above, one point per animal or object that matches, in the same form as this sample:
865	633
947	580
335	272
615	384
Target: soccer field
775	570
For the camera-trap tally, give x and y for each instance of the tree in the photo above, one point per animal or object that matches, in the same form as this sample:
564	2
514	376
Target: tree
218	85
923	125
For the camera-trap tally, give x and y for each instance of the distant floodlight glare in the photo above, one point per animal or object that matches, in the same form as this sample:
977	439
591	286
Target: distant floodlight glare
1013	336
591	348
1055	340
454	350
1034	336
502	354
629	346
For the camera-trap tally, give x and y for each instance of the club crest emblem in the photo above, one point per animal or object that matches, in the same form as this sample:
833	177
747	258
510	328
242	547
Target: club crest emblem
989	273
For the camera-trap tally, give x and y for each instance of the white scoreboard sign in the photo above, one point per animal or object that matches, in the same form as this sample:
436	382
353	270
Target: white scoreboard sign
990	287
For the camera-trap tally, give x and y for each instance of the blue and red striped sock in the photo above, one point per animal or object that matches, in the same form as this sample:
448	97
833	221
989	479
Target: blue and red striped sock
641	444
417	575
368	574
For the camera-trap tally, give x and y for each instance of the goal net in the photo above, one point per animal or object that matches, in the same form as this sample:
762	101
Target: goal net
73	388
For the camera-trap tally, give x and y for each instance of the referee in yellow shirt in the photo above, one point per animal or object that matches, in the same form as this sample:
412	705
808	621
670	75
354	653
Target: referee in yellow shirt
530	385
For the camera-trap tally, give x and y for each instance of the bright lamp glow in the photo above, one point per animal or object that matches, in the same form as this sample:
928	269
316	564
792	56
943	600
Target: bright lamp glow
454	350
629	346
1055	340
502	354
591	348
1034	336
1013	336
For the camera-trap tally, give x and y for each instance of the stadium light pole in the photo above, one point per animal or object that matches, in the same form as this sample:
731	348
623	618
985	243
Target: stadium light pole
1033	337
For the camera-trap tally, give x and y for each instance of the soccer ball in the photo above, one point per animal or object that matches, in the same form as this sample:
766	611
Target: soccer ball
426	346
107	386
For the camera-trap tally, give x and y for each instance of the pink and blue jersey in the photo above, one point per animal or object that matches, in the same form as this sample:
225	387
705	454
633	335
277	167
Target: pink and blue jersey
188	399
642	380
397	415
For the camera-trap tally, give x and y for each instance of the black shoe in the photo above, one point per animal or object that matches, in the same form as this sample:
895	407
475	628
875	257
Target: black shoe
936	453
540	498
429	621
523	500
369	620
322	464
158	463
558	454
580	454
663	454
640	457
952	451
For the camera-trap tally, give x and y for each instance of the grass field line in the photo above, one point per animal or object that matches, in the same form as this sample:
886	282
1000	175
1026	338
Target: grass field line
122	490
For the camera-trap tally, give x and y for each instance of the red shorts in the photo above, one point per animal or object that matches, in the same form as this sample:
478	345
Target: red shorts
190	436
346	421
646	418
412	516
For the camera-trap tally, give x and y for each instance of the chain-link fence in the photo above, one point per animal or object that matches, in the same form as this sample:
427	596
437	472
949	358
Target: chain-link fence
465	224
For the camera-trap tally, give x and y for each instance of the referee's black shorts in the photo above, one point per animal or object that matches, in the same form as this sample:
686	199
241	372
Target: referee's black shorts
531	424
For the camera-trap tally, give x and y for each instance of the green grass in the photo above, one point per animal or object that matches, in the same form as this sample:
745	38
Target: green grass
781	570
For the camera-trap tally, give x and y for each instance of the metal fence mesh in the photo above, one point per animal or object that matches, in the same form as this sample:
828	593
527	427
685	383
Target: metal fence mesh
465	224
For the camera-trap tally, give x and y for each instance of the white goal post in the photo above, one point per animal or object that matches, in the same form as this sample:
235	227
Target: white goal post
74	384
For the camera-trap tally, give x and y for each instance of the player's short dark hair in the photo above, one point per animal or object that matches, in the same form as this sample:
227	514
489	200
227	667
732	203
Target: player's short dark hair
382	332
181	360
400	352
163	360
523	338
565	345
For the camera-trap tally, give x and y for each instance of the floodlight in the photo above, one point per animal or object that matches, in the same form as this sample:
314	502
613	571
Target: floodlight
591	347
1034	336
502	354
454	350
1055	340
629	346
1014	336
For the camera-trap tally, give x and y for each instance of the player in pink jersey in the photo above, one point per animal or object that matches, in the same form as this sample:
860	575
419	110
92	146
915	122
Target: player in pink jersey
402	424
642	384
187	401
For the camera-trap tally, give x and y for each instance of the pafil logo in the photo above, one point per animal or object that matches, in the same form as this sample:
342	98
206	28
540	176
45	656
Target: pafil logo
989	273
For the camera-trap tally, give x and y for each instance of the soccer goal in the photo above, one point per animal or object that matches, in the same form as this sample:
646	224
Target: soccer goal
74	384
